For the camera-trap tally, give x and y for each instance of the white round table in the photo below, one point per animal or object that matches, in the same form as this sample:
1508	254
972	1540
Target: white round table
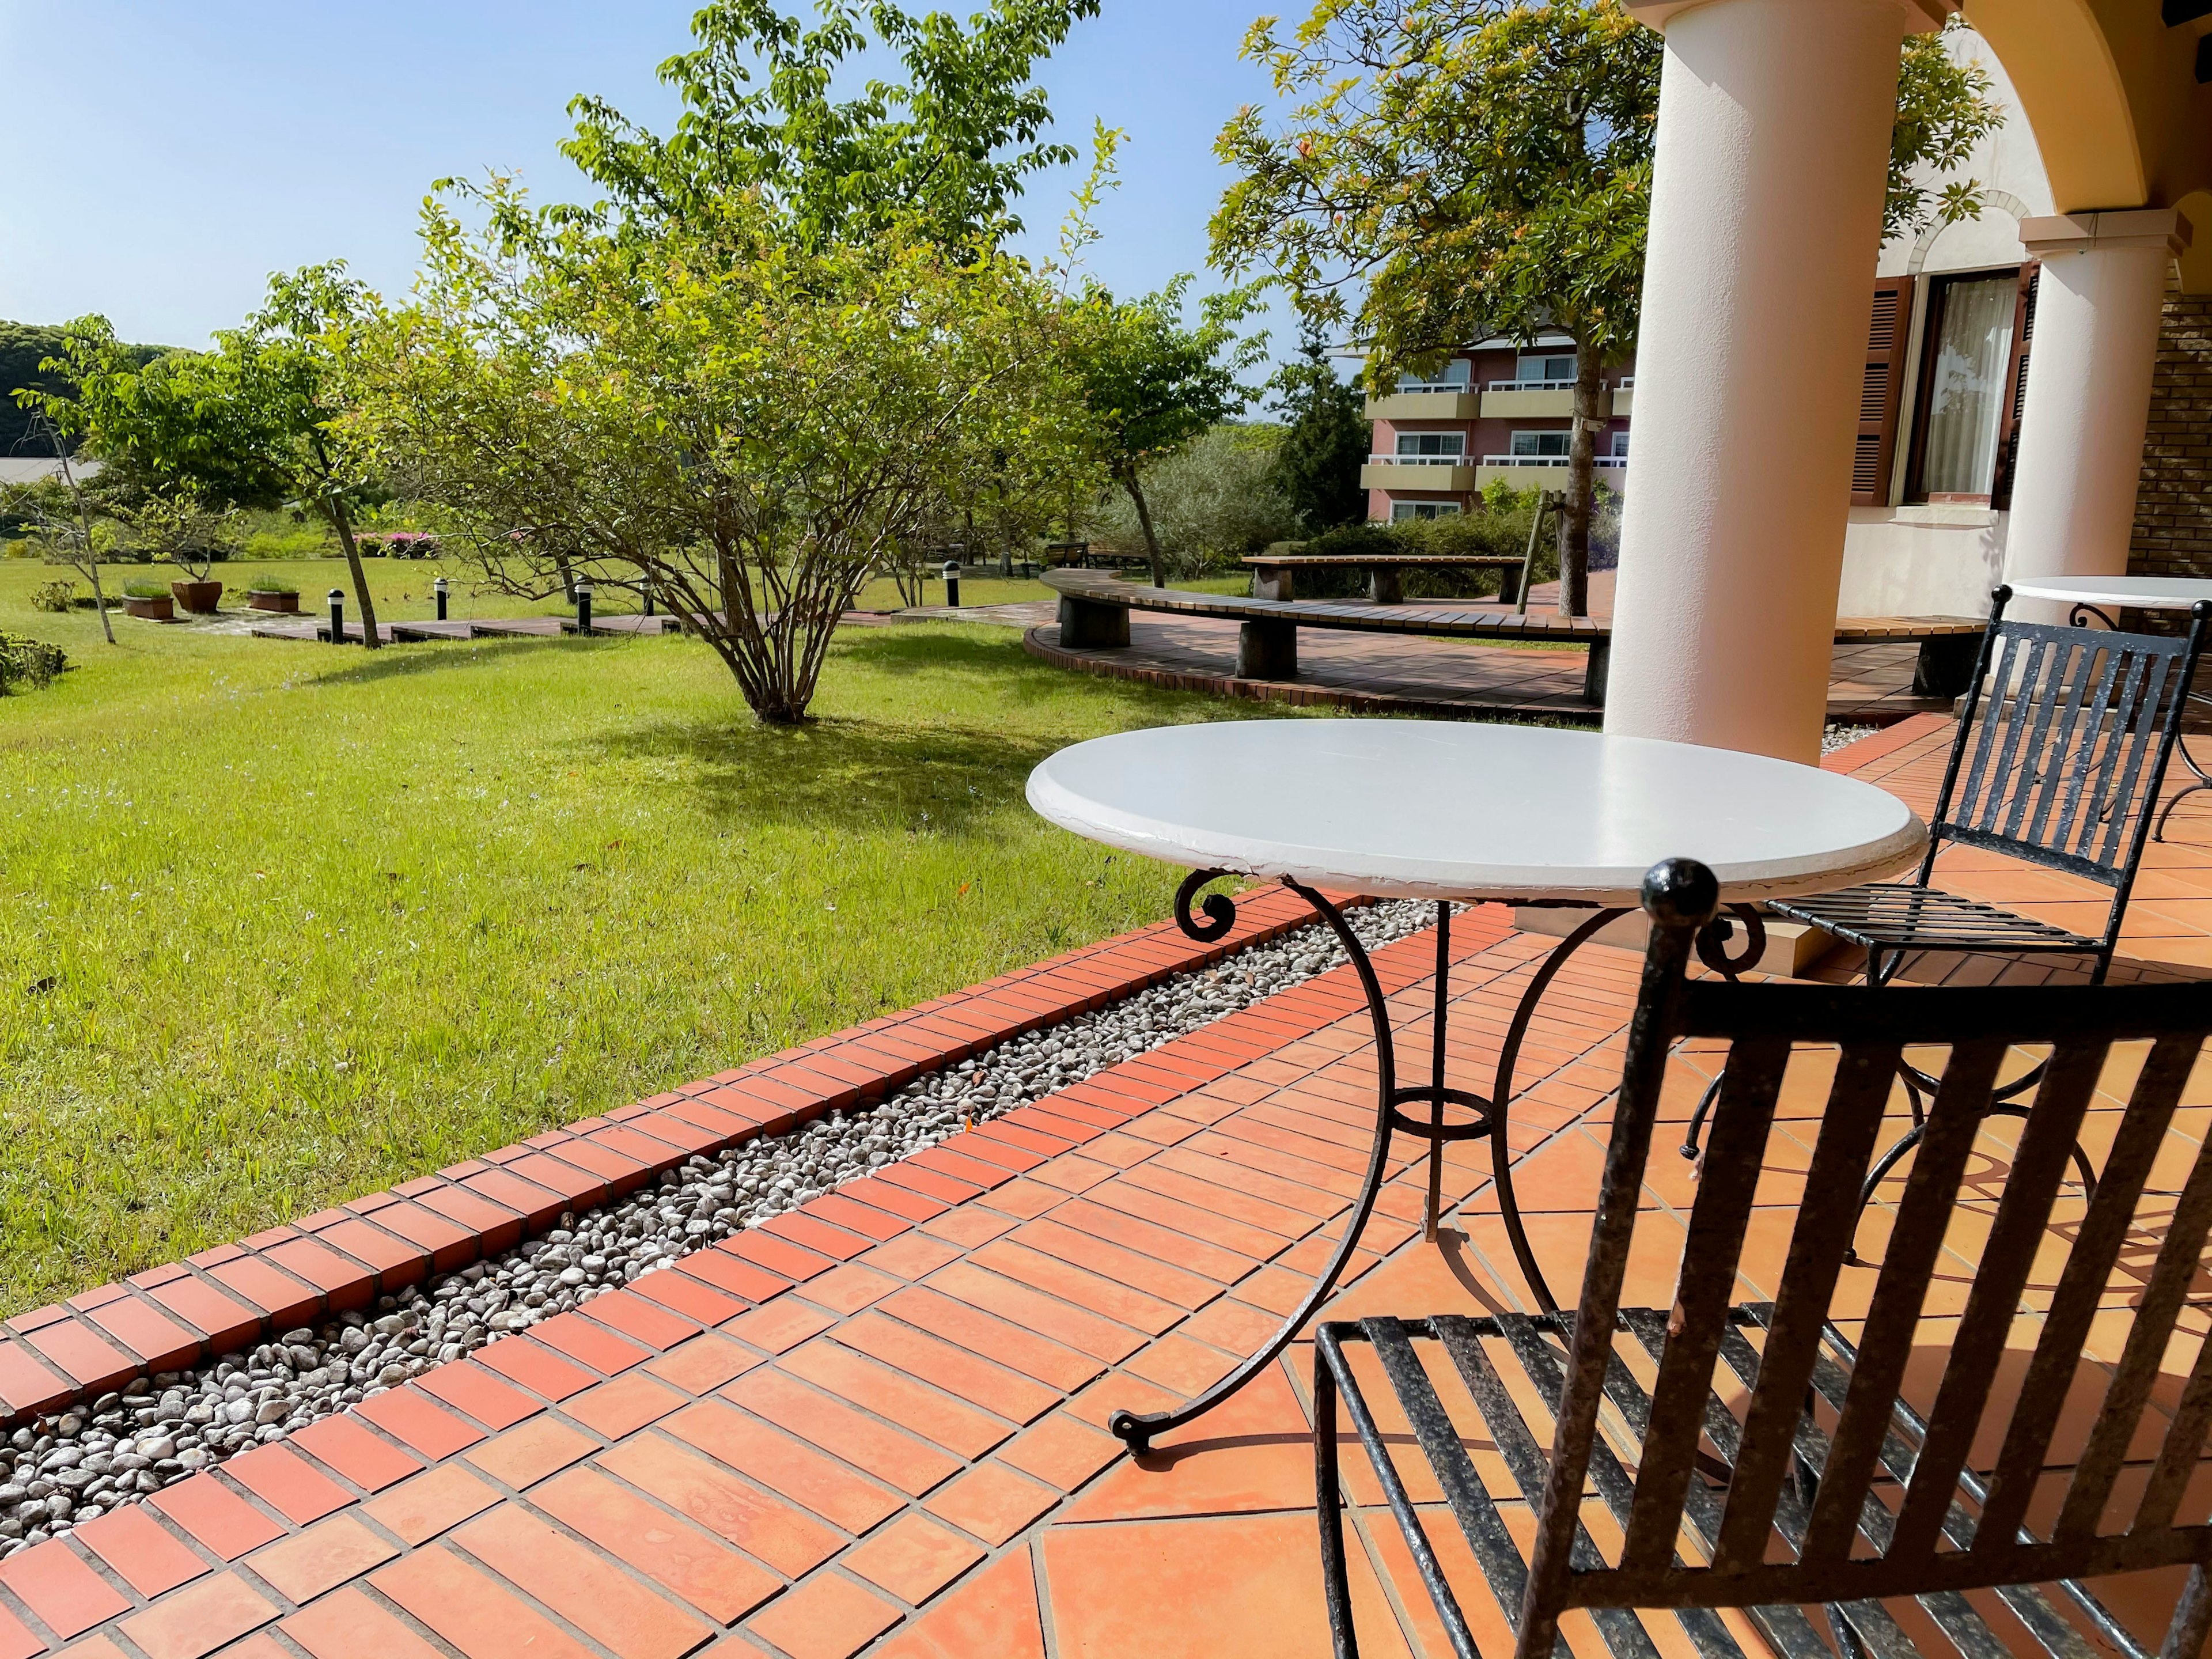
2102	597
1450	811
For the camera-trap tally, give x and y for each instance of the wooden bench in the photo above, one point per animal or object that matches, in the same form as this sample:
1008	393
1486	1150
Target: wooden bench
1274	575
1094	615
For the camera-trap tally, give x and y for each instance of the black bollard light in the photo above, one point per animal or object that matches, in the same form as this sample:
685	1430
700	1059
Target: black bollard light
439	587
952	583
337	616
648	600
583	607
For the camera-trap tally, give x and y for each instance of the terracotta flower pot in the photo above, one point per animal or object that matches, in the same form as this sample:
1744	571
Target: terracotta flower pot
200	598
287	603
158	609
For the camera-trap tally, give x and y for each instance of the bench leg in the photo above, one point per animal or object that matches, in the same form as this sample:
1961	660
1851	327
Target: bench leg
1085	623
1508	585
1385	587
1601	660
1945	666
1267	651
1276	584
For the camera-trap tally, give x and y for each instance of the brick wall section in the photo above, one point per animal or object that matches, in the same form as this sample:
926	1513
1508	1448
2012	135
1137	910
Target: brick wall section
340	1259
2173	500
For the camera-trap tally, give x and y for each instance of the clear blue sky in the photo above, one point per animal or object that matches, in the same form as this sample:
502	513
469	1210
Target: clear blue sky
163	157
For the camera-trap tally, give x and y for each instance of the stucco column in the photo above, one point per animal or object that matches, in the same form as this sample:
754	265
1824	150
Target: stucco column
2097	306
1773	145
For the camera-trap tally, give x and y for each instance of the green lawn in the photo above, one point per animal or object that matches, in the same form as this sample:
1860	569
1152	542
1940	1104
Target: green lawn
281	923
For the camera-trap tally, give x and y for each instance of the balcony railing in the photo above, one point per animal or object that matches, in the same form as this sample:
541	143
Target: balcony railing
1532	386
1430	385
1416	460
1550	460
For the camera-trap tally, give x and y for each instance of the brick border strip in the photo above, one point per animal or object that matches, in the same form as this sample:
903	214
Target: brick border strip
342	1259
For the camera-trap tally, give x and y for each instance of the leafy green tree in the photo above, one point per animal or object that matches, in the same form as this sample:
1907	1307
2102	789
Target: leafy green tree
945	150
1325	441
746	428
1210	502
24	350
1457	170
1153	384
253	423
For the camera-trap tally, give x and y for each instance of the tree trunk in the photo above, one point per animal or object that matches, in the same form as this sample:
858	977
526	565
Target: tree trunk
91	558
1144	522
335	510
1575	521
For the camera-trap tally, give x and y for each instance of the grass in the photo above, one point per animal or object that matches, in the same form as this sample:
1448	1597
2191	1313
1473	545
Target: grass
280	924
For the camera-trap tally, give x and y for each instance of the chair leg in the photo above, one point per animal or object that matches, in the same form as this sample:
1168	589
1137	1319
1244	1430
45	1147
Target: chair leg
2192	1619
1689	1146
1336	1589
1883	1166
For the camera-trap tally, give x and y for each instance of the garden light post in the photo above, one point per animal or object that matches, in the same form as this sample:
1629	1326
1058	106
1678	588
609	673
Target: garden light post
438	588
952	583
337	616
583	607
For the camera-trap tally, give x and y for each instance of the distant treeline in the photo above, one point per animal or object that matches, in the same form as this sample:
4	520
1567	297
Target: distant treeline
23	347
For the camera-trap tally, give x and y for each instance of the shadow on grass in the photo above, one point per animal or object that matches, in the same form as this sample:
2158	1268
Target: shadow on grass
403	661
842	774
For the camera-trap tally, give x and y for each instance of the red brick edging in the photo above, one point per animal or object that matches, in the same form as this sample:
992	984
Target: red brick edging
232	1297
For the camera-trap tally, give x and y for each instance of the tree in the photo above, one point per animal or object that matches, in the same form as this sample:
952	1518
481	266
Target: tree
24	350
750	428
1153	384
1211	502
1325	442
253	423
59	519
1461	170
943	154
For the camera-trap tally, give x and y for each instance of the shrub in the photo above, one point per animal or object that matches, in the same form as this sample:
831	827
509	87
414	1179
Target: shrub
53	596
27	662
411	544
142	589
272	585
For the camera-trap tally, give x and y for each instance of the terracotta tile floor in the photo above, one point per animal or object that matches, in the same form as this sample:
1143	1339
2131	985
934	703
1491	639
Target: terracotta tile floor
905	1453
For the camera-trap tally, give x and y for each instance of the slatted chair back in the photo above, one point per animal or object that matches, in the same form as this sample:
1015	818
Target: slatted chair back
2063	745
1775	1546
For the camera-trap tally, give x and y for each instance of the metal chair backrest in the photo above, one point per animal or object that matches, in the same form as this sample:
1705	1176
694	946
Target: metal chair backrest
1925	1544
2063	743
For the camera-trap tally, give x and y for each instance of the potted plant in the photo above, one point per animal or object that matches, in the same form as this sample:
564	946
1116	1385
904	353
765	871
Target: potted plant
181	527
273	593
149	599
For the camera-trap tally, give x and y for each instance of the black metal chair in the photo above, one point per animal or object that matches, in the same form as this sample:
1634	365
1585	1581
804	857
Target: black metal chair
2062	749
1757	1459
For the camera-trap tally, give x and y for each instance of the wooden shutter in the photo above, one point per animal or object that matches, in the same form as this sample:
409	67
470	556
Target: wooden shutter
1882	394
2015	392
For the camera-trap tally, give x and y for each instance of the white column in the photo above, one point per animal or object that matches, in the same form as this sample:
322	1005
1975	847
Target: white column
2097	307
1773	146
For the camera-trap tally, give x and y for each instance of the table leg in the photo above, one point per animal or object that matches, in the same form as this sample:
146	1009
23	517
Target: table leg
1137	1430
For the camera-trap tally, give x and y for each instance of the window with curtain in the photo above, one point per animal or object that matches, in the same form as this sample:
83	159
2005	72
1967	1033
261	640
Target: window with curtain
1968	353
1431	445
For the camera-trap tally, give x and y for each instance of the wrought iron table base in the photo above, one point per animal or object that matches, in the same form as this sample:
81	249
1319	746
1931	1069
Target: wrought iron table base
1488	1121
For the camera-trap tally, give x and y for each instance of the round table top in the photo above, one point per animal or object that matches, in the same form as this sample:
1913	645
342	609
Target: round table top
2144	592
1434	809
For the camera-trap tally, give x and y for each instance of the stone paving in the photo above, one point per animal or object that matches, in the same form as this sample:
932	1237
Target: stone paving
876	1424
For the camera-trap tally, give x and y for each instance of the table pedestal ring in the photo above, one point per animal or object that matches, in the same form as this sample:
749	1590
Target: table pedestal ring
1488	1122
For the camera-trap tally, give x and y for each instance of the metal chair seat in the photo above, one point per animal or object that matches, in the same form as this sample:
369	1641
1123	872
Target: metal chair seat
1475	1351
1886	916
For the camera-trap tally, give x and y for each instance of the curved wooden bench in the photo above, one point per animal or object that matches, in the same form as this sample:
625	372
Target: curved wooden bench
1094	615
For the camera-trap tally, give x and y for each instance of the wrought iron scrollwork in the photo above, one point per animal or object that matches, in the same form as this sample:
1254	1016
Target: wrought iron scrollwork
1220	910
1712	942
2078	617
